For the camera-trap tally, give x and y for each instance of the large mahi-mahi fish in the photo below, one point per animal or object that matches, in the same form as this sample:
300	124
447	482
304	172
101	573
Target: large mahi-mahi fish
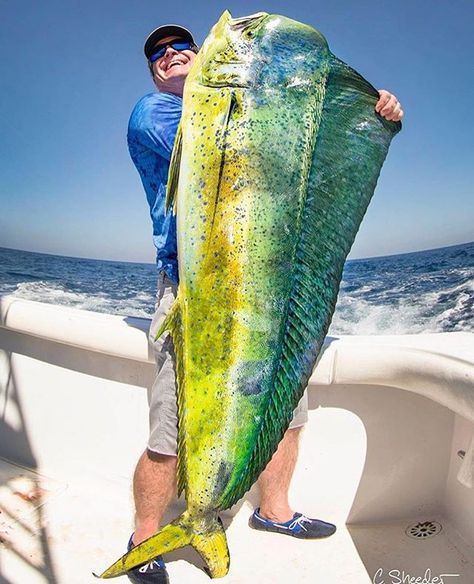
273	168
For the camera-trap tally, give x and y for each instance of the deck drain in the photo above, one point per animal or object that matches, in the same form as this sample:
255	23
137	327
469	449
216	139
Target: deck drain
423	529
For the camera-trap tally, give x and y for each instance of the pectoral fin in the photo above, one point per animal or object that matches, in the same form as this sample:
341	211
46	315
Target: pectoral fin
173	173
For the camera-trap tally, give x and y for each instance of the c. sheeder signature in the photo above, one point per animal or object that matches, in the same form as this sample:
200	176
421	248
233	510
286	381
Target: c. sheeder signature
402	577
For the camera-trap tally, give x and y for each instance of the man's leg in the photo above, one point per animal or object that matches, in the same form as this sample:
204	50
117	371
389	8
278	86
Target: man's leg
154	485
274	482
154	481
275	513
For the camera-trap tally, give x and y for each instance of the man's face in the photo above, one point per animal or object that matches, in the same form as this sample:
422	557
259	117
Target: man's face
171	70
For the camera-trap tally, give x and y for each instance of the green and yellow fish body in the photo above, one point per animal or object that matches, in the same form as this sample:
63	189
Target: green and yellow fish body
275	162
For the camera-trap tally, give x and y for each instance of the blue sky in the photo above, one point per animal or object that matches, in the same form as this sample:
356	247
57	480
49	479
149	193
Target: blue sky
72	71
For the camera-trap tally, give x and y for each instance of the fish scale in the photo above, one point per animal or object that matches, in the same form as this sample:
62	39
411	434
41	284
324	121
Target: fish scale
275	162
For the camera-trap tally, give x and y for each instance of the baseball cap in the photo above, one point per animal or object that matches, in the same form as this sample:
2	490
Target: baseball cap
164	31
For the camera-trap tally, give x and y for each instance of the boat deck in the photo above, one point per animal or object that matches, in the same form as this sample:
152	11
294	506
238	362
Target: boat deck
60	529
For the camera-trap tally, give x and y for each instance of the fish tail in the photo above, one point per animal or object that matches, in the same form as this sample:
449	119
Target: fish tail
206	535
211	545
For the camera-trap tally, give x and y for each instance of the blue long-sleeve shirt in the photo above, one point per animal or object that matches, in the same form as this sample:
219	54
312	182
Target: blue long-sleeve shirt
151	133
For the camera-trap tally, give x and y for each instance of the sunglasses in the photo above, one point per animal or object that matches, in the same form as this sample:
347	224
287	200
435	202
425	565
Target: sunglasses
176	45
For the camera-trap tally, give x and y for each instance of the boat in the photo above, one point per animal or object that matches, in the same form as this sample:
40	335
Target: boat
387	455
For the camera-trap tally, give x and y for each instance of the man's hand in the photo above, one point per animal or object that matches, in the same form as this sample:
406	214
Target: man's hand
388	106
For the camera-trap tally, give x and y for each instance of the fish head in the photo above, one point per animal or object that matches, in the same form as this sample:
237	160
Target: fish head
260	50
227	52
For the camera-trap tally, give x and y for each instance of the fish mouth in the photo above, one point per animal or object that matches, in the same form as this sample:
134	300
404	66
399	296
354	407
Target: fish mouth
247	24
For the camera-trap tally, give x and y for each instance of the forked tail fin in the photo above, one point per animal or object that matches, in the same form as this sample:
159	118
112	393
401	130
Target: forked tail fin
205	534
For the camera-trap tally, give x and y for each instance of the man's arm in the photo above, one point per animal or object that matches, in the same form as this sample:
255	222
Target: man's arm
388	106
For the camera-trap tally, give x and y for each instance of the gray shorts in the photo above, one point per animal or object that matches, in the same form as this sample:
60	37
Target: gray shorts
162	394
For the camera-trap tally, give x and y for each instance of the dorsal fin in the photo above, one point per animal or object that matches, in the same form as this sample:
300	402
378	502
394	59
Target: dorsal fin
351	145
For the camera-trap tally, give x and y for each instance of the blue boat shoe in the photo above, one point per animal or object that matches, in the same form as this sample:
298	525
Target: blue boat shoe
299	526
153	572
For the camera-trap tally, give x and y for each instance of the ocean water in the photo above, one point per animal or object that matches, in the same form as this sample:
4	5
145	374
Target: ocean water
425	291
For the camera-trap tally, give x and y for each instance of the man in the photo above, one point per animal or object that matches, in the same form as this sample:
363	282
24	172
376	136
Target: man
170	51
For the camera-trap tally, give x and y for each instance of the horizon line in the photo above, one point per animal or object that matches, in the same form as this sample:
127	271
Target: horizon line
153	263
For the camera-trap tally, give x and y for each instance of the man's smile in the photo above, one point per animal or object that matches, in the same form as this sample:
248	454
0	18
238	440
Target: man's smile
177	61
174	64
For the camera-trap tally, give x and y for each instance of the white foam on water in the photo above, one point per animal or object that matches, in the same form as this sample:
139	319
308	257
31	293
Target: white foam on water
423	313
140	305
462	313
360	317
